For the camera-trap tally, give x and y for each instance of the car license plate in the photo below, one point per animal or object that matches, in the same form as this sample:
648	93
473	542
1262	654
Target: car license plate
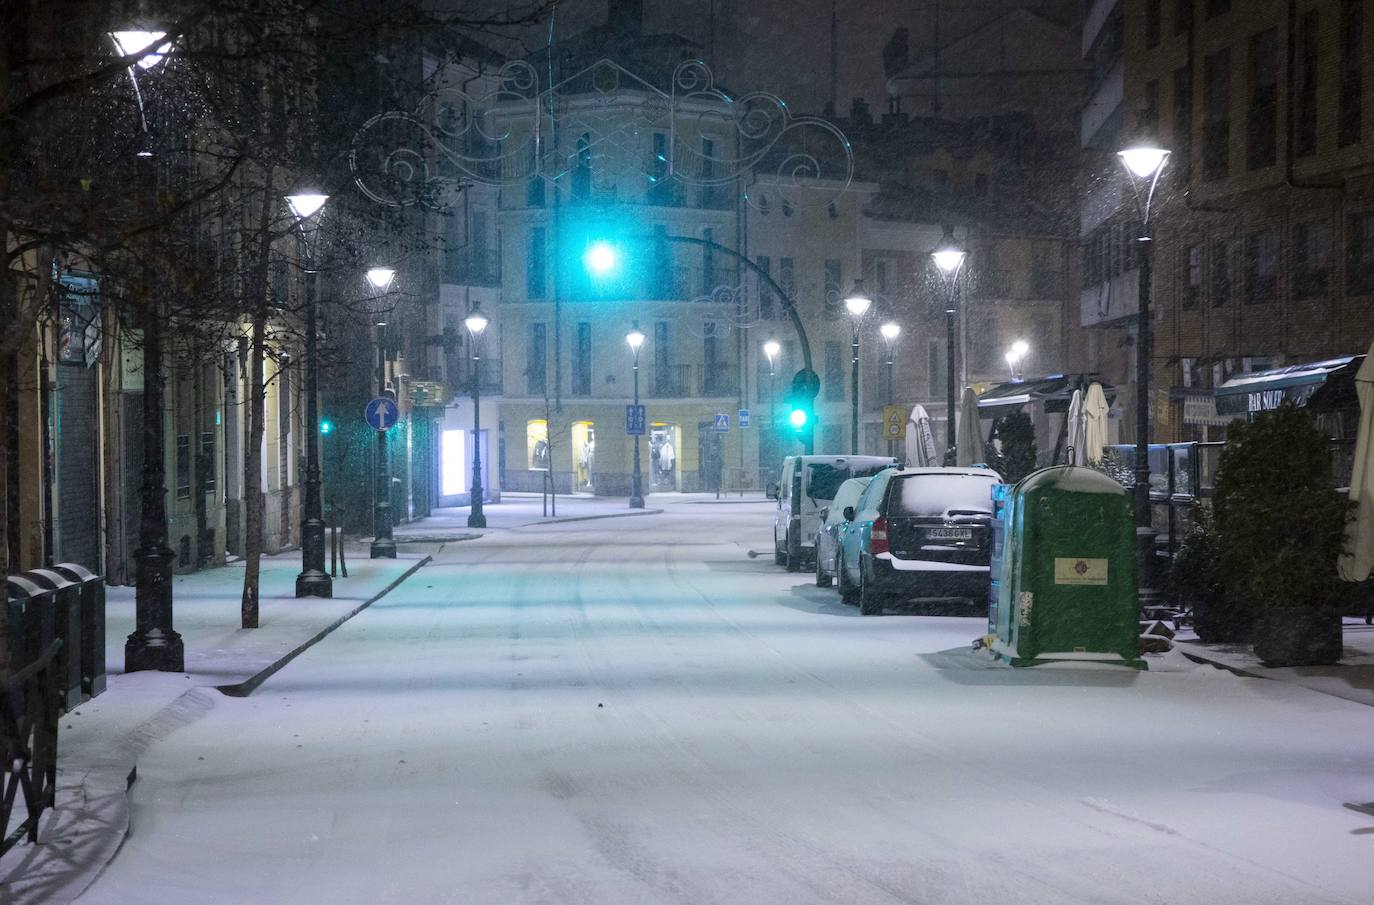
949	533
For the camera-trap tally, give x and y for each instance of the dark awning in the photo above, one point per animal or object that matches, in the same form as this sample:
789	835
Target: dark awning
1317	384
1055	391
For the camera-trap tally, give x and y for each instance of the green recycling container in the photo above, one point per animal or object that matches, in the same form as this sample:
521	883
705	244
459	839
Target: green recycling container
1067	588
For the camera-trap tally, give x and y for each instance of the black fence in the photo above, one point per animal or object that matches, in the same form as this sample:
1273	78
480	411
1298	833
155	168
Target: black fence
30	703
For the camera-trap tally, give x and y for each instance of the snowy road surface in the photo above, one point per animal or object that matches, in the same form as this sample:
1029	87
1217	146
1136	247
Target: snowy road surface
633	711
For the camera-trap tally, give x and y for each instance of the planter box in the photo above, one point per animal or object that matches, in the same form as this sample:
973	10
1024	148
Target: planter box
1297	636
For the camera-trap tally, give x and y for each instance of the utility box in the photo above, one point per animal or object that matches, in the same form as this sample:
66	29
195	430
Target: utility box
31	622
1067	589
92	625
67	626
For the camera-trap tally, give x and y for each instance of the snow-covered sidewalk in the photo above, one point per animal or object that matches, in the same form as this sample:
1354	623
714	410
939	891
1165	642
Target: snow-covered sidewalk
524	510
100	741
1351	679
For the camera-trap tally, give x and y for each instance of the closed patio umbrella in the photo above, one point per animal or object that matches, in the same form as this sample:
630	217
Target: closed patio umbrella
921	451
969	446
1095	414
1356	562
1074	435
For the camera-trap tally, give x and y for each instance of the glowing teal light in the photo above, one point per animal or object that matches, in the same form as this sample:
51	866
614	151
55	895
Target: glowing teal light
601	259
326	426
798	418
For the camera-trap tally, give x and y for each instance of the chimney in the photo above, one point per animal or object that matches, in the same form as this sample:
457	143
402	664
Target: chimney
625	16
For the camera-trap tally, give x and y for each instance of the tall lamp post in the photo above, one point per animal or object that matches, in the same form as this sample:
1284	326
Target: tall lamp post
771	349
890	331
1143	165
857	304
476	322
634	339
949	260
313	580
154	643
383	541
1016	356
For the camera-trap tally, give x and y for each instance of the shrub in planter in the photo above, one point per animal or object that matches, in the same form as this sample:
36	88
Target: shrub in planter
1195	584
1281	527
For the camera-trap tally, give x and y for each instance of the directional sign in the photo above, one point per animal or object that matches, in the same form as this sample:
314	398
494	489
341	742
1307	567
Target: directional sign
743	418
722	422
381	413
635	420
894	422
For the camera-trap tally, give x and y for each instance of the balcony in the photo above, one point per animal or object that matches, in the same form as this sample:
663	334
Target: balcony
688	381
669	382
719	380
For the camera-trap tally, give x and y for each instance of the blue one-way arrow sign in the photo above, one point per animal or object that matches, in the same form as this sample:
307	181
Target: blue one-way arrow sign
381	413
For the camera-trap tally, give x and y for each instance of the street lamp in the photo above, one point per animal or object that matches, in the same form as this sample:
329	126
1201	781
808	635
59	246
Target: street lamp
634	339
890	331
1143	165
949	259
476	322
383	541
1015	356
313	580
154	643
857	303
771	349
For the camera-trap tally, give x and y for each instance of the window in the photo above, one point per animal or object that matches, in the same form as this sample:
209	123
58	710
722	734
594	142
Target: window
1359	254
663	263
834	306
582	361
1183	16
1352	73
935	367
1221	272
206	466
663	377
1262	266
880	271
1149	117
1309	52
1192	276
1216	115
834	371
711	195
1311	259
1152	14
708	262
787	277
1262	117
1181	161
582	170
765	290
1218	7
284	424
537	361
183	466
535	264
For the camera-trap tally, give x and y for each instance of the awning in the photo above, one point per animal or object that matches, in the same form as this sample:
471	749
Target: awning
1317	384
1054	391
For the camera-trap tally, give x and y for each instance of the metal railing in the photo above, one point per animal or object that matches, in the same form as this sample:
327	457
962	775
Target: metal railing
669	382
29	705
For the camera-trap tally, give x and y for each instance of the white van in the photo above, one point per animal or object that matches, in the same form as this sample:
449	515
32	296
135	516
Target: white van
806	485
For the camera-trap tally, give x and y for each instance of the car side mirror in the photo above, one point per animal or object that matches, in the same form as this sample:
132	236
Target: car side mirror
772	491
849	513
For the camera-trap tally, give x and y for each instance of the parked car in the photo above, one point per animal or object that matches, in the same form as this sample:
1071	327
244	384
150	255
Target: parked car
833	525
918	532
806	485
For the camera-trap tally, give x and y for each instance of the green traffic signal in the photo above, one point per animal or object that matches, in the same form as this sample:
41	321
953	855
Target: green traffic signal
326	427
601	259
798	418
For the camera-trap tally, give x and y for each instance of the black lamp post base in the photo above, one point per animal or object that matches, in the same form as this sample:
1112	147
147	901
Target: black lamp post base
314	583
477	520
155	650
383	548
636	502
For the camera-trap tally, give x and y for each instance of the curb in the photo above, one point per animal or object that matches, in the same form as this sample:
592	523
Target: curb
592	518
1235	670
248	686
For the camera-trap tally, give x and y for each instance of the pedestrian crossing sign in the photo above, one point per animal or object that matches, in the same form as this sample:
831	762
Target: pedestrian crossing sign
722	422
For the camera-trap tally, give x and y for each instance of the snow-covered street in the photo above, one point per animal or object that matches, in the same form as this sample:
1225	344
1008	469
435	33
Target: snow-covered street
636	711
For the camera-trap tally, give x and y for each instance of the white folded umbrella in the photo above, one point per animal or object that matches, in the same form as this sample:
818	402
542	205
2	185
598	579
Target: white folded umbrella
1357	560
921	451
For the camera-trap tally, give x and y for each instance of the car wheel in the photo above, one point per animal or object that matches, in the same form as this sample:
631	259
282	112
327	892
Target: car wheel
870	603
794	557
848	593
779	555
823	579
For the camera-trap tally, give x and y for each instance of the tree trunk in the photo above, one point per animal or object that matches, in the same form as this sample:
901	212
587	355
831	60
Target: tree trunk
252	473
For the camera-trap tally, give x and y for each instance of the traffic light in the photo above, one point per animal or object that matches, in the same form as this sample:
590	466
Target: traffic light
801	406
326	427
601	259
